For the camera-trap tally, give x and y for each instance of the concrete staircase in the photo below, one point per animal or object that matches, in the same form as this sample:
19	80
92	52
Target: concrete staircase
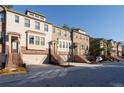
118	58
14	61
56	59
81	59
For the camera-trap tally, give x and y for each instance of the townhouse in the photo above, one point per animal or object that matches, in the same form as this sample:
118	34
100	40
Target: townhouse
113	46
119	49
80	43
122	50
61	39
71	44
24	37
106	48
28	38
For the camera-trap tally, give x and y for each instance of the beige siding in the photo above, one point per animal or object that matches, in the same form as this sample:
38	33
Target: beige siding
20	28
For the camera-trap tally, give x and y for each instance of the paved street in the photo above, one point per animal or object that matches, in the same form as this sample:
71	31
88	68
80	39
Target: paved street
86	75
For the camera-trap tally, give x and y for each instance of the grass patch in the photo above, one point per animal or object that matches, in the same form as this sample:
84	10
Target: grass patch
17	70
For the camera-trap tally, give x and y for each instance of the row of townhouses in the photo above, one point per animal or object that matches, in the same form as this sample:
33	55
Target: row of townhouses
28	38
106	48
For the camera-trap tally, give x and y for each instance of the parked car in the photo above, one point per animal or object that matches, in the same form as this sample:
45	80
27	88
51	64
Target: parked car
99	59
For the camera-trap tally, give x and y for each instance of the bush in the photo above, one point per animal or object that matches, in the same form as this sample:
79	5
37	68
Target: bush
3	65
24	65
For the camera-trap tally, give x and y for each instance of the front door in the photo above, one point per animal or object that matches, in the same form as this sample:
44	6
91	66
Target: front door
14	44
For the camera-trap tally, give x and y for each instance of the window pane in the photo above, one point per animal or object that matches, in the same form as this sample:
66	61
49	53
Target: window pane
63	44
69	45
16	19
37	40
37	25
60	44
27	23
66	44
42	40
45	27
31	39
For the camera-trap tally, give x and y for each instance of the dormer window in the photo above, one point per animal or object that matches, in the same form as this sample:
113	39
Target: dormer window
31	14
41	17
35	15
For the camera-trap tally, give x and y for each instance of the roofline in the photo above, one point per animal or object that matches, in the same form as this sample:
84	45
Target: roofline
28	10
27	16
81	33
22	14
3	7
79	29
61	28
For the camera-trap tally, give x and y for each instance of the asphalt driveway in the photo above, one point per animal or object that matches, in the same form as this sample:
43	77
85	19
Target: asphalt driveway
84	75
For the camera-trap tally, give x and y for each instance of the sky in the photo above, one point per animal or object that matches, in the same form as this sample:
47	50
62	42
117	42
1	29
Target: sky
98	21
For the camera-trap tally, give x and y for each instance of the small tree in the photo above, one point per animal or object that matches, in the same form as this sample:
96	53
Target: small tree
95	49
109	48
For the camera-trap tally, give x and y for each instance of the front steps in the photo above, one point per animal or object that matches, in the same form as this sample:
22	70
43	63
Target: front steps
81	59
13	61
56	59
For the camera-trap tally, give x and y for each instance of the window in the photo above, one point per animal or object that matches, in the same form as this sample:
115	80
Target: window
82	46
27	23
69	45
54	29
80	36
41	17
60	44
37	40
16	19
45	27
59	32
37	16
1	17
42	40
63	44
31	14
37	25
31	39
66	44
65	34
87	48
87	39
